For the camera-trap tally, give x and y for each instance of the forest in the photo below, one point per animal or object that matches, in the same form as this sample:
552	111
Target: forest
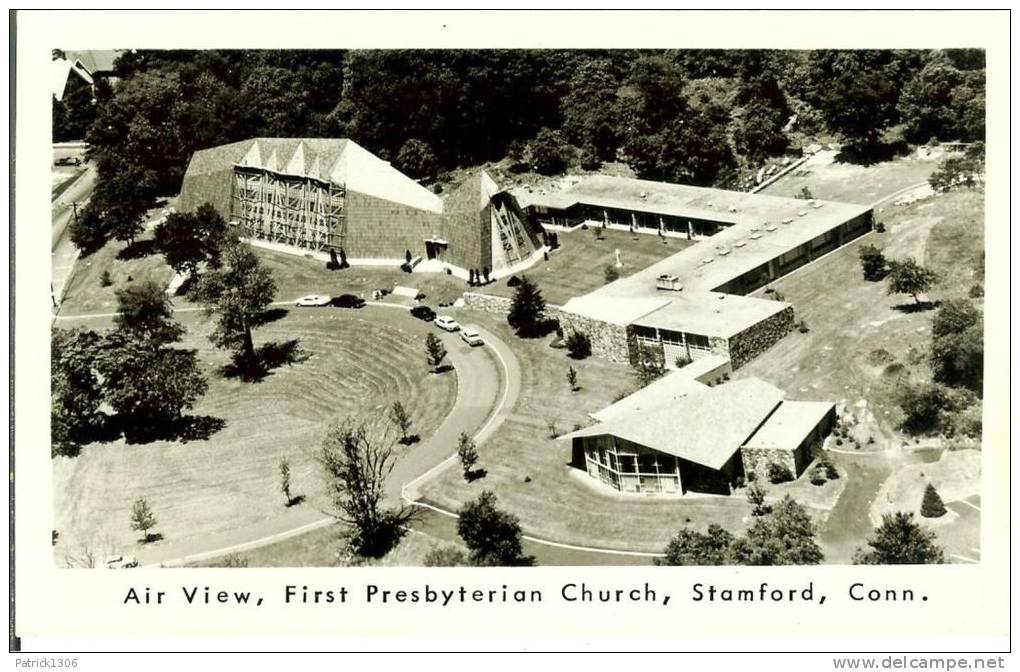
693	116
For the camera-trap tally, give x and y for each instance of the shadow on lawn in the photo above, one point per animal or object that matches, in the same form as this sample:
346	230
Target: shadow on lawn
137	250
185	428
270	356
917	307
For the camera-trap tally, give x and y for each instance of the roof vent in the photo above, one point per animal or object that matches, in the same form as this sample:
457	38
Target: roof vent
644	194
787	221
817	205
707	260
755	236
739	243
770	227
800	213
724	251
733	208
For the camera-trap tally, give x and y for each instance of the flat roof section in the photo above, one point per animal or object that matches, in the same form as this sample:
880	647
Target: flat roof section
788	426
619	311
710	313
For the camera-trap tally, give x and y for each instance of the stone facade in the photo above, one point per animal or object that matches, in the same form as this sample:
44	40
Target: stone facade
757	461
753	341
613	342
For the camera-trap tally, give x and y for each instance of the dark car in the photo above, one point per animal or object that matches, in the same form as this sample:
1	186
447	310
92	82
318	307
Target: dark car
424	313
347	301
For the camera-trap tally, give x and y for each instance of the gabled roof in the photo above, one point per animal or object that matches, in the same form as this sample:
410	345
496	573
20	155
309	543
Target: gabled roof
339	160
791	422
663	392
705	427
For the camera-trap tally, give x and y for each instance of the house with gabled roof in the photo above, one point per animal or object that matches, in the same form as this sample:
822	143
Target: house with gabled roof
680	435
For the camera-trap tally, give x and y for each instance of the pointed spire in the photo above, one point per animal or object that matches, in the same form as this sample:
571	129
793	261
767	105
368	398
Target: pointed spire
253	157
296	165
272	163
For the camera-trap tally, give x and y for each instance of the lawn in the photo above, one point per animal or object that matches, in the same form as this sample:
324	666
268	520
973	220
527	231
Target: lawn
348	366
86	292
578	266
853	183
297	275
862	340
529	472
319	548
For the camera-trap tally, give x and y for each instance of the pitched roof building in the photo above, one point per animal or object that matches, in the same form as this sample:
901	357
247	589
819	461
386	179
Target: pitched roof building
318	194
679	435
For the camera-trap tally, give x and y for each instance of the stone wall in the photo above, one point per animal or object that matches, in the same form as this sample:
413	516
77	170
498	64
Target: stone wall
496	305
758	338
757	461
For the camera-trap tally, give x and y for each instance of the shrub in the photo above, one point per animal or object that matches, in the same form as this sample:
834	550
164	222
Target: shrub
818	477
514	281
802	327
932	505
578	345
105	280
681	361
778	473
977	291
610	273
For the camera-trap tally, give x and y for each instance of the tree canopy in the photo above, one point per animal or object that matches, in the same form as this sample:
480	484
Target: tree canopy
492	535
899	540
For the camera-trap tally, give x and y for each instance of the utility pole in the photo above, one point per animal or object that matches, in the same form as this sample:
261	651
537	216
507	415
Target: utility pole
74	208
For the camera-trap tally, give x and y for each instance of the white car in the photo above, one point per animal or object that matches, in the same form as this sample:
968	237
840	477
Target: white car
471	337
121	562
447	323
313	301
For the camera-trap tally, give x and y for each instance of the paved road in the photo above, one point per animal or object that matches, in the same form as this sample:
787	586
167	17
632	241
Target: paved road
63	251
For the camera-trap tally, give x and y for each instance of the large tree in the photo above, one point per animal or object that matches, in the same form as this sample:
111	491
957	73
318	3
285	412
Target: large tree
527	310
763	110
957	345
690	547
145	311
900	541
492	535
187	240
238	294
785	536
355	466
147	380
858	91
906	276
149	387
88	230
590	109
75	389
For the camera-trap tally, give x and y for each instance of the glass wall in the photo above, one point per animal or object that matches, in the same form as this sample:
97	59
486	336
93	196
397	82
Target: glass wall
630	468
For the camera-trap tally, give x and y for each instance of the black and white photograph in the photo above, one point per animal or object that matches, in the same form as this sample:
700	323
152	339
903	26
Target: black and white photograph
542	306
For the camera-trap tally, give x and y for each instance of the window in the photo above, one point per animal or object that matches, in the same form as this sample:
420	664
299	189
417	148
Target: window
697	342
671	337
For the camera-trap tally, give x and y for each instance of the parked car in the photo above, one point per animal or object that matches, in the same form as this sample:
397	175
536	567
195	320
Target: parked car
121	562
471	336
348	301
424	313
68	161
447	323
312	301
